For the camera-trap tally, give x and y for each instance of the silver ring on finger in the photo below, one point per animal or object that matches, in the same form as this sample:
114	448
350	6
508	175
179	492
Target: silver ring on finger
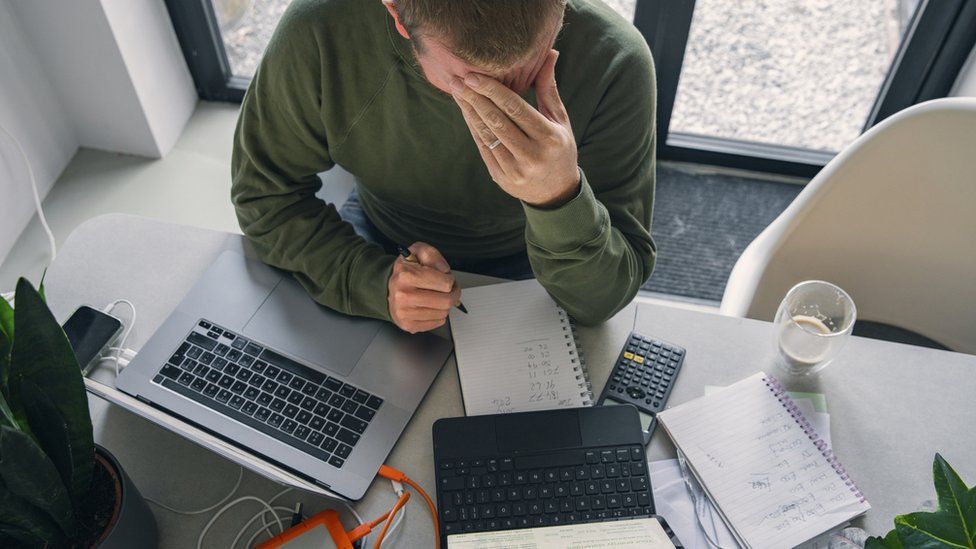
495	143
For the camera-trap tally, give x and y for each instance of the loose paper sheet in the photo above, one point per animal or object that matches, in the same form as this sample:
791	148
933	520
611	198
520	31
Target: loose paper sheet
624	534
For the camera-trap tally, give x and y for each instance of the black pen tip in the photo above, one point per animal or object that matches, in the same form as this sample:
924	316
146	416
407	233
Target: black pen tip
462	308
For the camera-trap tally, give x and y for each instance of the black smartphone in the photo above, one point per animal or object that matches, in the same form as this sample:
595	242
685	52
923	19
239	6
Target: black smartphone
90	331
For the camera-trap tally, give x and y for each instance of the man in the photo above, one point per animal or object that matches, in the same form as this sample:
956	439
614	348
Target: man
448	114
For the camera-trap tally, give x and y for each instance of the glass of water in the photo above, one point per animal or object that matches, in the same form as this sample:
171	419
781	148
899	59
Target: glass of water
812	325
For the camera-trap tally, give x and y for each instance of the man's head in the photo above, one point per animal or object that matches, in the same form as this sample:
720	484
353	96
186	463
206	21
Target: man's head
505	39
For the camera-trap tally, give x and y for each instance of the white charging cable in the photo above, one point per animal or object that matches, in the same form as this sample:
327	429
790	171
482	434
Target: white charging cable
242	499
401	514
240	477
266	526
9	296
37	197
120	348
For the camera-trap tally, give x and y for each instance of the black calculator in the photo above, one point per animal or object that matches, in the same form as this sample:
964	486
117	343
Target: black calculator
643	376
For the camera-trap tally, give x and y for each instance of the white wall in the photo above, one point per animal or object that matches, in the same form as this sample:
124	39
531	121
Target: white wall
155	64
966	81
117	68
31	110
102	74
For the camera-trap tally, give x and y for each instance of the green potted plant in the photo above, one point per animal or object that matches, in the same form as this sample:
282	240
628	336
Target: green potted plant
57	487
951	526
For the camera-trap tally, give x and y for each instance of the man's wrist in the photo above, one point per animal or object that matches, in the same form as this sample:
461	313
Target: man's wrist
571	192
569	226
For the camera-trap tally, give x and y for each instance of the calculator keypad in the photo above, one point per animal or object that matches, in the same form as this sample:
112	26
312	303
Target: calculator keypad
645	372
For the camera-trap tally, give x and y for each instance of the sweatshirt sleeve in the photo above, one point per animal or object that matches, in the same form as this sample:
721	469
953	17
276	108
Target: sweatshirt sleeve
593	253
280	146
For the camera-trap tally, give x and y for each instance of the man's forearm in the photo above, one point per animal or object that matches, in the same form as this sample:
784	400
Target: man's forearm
591	268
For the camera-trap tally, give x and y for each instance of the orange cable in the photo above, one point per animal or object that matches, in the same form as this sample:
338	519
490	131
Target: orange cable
392	474
433	510
389	519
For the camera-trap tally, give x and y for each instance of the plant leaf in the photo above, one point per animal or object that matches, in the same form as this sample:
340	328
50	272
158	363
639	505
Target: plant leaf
6	342
41	353
51	430
890	541
29	474
13	537
929	531
40	287
954	498
952	524
6	319
16	515
7	413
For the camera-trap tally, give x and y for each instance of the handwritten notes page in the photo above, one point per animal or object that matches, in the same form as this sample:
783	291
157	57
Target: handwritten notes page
771	483
645	533
516	351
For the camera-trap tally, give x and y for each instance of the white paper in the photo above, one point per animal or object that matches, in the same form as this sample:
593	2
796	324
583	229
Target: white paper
767	478
516	351
622	534
673	501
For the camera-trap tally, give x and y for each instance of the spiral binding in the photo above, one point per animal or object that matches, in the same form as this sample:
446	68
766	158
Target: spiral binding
780	393
579	359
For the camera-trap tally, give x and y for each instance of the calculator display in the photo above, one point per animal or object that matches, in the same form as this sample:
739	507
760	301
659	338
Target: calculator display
645	419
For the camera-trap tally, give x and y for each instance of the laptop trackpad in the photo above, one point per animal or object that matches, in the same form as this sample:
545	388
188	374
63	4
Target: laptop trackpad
291	322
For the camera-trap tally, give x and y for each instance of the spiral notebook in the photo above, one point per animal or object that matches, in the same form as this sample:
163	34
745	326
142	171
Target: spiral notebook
774	481
516	351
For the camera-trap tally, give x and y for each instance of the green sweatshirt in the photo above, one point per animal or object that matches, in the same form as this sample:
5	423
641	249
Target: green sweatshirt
339	85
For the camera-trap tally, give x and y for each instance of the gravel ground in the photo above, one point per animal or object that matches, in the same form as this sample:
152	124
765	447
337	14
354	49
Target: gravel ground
797	73
802	73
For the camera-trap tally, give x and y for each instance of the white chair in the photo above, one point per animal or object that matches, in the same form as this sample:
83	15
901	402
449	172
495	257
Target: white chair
891	219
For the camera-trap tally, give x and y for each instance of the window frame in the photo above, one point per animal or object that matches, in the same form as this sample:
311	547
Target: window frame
198	32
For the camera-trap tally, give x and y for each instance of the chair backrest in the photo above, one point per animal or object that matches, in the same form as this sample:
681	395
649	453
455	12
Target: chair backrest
892	220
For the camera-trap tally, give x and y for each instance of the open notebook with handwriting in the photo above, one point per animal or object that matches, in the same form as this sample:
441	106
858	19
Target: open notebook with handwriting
516	351
773	479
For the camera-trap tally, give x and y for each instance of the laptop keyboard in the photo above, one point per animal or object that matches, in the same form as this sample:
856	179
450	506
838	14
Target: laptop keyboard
575	486
304	408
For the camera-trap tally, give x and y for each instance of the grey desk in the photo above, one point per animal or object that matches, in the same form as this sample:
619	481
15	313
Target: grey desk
892	406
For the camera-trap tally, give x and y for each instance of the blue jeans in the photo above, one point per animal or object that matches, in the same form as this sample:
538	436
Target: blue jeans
512	267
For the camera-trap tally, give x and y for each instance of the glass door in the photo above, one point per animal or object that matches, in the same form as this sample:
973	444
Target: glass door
783	85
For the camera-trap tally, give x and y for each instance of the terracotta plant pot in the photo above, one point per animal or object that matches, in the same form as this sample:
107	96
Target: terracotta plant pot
132	523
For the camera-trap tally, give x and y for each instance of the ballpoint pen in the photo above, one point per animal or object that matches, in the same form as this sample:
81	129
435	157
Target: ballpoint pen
408	256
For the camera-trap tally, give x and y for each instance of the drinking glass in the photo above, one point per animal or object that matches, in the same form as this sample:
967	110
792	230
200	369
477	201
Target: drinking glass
812	325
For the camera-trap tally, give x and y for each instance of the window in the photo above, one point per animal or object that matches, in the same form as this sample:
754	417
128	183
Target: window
777	86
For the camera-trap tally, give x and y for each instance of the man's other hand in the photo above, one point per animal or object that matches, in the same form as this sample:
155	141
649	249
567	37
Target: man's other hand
534	158
421	294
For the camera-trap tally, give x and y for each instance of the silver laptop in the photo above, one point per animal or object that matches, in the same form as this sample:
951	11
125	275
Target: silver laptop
250	357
